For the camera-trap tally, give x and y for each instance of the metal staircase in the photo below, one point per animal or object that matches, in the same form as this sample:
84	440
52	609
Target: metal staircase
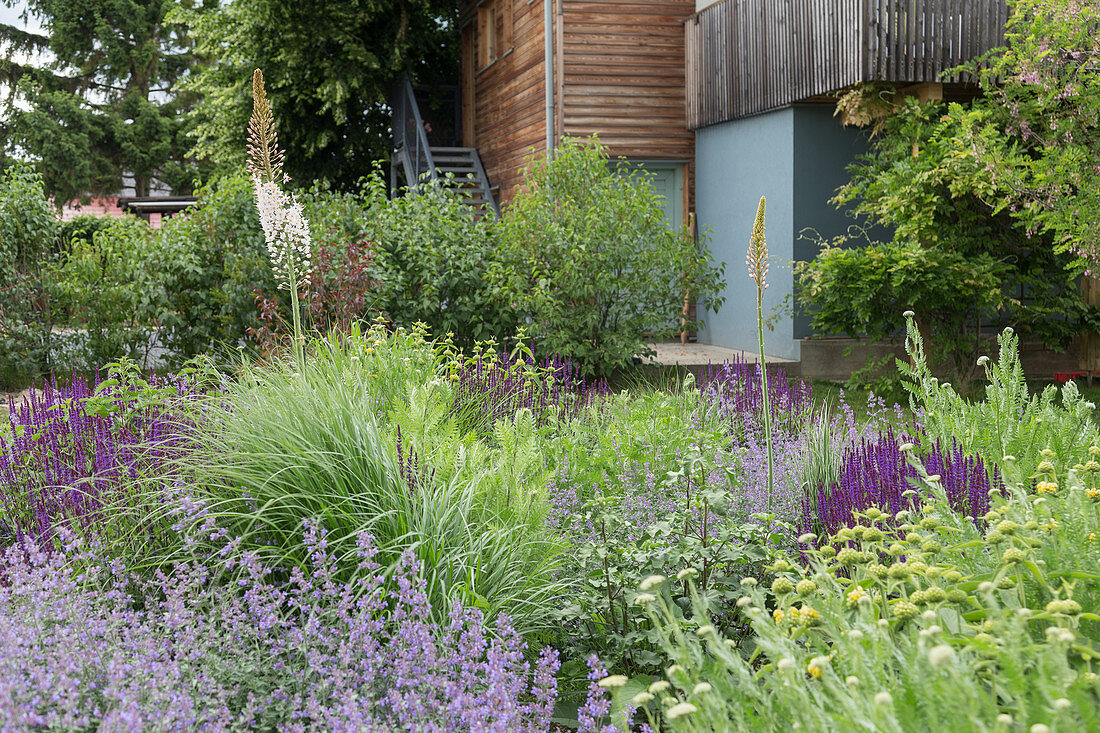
417	162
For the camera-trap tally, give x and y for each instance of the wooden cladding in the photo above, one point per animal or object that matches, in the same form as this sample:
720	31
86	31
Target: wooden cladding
622	75
494	31
750	56
618	72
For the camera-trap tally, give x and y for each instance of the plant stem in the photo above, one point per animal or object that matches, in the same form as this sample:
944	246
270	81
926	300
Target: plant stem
292	279
764	388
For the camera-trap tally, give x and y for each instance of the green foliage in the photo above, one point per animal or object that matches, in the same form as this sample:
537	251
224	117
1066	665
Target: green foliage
28	223
208	264
919	622
359	437
1009	421
958	259
861	291
1033	140
82	227
587	256
330	70
645	471
102	286
433	255
28	229
105	104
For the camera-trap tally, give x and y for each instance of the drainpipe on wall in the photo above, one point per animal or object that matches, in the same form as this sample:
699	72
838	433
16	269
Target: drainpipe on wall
548	44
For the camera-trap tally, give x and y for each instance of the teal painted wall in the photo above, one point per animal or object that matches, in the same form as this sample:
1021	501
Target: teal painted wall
797	158
823	149
736	163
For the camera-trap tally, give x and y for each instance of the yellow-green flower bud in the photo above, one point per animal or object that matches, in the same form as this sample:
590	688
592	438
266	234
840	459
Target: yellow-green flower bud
956	596
1066	607
848	556
782	586
905	610
1013	555
805	587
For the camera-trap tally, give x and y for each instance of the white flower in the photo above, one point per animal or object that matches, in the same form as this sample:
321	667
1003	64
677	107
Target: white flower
643	598
851	681
940	655
642	698
702	687
883	699
1004	719
659	686
652	582
1040	728
1062	704
784	664
612	681
286	230
680	709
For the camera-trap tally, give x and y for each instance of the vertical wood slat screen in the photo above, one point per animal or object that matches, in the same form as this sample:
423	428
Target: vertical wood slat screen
750	56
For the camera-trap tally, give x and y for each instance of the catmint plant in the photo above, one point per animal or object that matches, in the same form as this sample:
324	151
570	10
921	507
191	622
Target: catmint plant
757	262
286	230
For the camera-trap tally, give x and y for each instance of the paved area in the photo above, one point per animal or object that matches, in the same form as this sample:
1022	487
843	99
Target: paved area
693	354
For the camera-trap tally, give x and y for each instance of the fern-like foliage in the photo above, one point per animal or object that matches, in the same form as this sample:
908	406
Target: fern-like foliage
1010	421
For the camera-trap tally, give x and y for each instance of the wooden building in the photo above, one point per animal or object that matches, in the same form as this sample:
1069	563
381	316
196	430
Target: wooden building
762	78
534	71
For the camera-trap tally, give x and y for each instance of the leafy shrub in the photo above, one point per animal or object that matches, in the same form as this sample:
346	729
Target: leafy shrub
80	228
102	286
587	257
208	262
28	229
434	254
860	291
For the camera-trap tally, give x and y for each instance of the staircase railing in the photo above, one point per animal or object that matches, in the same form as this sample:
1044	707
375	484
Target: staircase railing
411	150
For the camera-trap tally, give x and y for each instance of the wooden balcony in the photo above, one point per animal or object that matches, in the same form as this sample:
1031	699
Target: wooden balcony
745	57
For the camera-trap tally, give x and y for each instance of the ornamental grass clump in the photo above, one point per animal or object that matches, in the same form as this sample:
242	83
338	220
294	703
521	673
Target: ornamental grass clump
87	645
291	441
74	450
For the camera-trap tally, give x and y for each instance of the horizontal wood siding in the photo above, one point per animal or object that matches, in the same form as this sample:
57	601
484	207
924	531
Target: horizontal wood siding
622	68
508	100
749	56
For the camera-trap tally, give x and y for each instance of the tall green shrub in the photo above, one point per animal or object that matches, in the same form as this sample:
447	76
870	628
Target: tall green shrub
209	264
28	229
433	253
102	285
588	258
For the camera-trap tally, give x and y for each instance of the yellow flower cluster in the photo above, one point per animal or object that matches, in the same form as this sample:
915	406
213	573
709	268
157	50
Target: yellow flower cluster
1046	487
804	616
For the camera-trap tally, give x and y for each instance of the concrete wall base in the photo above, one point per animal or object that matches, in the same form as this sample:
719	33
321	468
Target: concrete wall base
835	359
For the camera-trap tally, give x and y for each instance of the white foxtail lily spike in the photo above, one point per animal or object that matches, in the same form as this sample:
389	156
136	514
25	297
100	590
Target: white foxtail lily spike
286	230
